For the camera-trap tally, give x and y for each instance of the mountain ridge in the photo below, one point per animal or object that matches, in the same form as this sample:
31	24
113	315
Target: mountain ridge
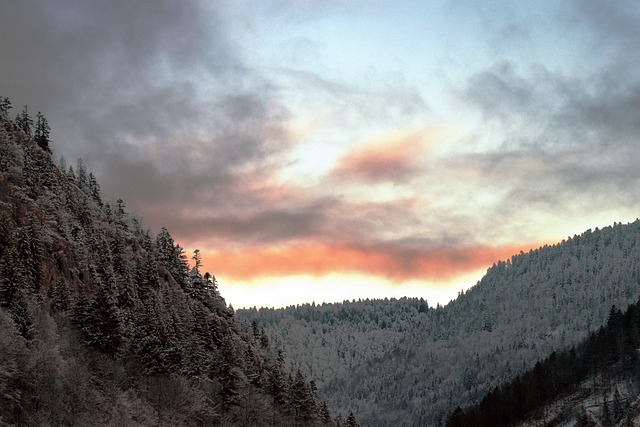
424	360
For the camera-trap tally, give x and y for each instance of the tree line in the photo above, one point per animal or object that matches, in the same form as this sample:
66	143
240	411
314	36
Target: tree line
39	129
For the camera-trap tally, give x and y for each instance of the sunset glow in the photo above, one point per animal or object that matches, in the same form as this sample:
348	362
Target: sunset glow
320	151
397	264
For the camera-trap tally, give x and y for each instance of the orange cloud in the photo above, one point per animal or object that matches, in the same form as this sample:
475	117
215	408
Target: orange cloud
393	263
393	159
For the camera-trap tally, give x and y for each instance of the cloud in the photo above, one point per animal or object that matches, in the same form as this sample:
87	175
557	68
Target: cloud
262	226
89	57
156	99
141	80
163	102
396	159
561	141
393	261
375	101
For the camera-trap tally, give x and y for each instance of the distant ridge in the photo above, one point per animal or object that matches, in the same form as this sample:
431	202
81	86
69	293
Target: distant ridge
394	362
596	382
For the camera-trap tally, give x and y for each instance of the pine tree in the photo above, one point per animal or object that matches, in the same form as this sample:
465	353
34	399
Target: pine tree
22	316
302	398
229	375
172	257
30	252
211	285
197	260
325	415
100	322
59	295
81	177
276	384
12	276
351	421
42	132
120	214
24	121
147	342
94	189
181	263
5	105
62	164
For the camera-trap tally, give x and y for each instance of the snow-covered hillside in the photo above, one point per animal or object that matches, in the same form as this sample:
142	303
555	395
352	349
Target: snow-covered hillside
397	362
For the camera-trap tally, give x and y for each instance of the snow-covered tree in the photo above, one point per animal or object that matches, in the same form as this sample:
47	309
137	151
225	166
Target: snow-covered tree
42	132
25	121
5	105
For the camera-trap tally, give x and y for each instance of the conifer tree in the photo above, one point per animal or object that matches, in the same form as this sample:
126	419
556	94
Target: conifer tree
21	315
94	189
302	398
62	164
197	260
81	176
182	265
351	421
277	385
100	322
42	132
325	415
229	375
24	121
11	276
120	214
5	105
59	295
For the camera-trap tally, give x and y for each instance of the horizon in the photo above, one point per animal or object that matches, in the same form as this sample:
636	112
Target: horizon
323	151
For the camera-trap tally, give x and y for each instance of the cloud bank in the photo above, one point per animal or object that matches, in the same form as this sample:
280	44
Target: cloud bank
241	128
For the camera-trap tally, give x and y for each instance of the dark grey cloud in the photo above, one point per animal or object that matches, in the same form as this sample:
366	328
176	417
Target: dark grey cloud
306	220
152	94
89	57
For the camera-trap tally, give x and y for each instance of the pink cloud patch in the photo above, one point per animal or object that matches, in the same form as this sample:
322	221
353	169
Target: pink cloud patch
395	159
394	263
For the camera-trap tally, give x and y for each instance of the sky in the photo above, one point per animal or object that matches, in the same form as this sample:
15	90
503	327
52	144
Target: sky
317	151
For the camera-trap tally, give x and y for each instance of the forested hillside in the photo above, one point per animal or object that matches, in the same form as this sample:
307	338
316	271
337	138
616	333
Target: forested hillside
103	323
398	362
597	382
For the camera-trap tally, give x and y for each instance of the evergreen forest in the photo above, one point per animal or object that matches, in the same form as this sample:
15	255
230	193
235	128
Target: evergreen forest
580	385
104	323
406	363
